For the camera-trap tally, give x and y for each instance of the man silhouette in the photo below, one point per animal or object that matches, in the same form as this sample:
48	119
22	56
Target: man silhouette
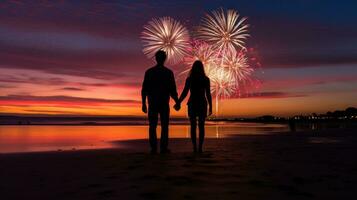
158	85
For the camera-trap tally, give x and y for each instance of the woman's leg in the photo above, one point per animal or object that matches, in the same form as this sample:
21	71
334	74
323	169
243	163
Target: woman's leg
201	127
193	132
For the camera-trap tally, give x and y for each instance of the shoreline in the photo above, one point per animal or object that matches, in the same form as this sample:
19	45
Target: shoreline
302	165
119	145
136	124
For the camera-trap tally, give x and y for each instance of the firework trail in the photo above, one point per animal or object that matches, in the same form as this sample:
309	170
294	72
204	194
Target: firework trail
168	35
224	30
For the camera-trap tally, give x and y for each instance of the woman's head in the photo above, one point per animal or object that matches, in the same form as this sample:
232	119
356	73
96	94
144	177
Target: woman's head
197	69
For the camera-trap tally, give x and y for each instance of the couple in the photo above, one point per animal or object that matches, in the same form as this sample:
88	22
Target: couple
159	85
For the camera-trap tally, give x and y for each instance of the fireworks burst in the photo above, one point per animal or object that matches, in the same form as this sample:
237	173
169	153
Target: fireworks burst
221	83
168	35
203	52
224	30
220	46
237	64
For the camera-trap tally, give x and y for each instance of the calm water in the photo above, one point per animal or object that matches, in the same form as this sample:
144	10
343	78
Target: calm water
53	138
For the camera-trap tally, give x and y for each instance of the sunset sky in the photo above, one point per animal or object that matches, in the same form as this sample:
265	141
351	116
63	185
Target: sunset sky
85	57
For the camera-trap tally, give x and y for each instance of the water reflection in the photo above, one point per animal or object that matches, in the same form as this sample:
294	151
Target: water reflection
50	137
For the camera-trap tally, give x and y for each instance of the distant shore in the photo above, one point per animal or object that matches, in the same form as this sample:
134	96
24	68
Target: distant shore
119	121
302	165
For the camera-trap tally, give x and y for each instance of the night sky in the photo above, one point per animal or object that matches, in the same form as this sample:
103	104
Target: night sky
85	57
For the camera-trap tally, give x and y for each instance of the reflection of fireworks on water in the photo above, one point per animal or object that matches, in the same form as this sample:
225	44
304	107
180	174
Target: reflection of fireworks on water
168	35
223	30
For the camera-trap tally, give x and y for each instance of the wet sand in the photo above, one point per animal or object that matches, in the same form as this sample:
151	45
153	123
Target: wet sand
310	165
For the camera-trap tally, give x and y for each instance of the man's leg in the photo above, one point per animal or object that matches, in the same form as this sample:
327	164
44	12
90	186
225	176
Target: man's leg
164	118
153	118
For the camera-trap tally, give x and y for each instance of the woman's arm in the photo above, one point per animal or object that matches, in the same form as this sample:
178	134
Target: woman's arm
185	90
209	97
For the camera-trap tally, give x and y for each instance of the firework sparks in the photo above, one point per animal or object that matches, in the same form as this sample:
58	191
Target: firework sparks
221	83
203	52
219	45
168	35
237	64
224	30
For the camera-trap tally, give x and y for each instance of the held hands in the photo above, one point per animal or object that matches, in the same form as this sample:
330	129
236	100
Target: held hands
177	106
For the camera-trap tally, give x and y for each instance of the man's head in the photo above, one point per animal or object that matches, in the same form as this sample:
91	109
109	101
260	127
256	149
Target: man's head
160	57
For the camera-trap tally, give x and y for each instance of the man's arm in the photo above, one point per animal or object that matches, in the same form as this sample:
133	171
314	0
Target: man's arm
144	93
173	90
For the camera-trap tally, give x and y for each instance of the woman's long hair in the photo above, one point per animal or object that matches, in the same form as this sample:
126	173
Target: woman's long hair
197	71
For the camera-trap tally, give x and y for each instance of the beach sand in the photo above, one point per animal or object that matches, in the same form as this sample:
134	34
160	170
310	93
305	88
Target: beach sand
310	165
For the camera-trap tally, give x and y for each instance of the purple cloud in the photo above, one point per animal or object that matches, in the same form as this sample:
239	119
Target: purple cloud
62	100
72	89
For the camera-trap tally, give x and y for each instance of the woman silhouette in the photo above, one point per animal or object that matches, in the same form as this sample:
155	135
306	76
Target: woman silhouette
199	86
